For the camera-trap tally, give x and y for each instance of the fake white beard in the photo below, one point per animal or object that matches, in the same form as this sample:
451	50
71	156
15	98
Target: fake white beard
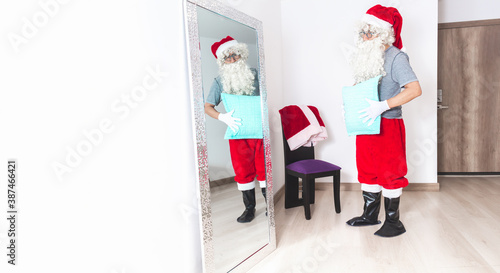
368	61
237	78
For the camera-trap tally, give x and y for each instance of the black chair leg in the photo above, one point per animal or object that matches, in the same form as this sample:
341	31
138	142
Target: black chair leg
306	195
312	192
336	191
291	191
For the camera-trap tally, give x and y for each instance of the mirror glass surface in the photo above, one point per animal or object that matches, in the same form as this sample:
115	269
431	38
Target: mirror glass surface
233	242
228	244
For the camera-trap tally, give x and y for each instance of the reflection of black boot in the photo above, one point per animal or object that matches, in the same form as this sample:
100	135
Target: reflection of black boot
265	197
249	201
370	211
392	226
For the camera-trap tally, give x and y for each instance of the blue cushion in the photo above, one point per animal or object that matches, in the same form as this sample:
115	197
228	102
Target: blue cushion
354	98
248	109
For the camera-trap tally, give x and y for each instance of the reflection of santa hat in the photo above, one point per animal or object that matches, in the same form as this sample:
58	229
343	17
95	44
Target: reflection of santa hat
386	17
219	47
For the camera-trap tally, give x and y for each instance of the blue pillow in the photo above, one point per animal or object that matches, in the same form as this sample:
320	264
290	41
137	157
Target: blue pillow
247	108
354	98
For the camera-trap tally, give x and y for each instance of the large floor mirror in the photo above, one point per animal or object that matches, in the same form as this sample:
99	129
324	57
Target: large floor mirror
233	240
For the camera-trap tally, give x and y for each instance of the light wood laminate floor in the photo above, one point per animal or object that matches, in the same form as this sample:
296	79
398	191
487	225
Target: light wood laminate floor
234	242
454	230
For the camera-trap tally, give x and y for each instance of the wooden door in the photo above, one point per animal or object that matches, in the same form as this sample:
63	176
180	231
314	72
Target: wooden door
469	77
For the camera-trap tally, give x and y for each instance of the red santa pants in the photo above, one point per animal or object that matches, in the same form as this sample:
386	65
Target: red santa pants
381	159
247	156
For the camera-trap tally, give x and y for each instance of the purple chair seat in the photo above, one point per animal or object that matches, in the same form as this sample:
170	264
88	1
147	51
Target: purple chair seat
310	166
301	164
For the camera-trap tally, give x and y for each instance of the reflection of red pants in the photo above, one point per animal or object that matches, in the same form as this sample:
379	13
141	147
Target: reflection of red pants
381	159
247	156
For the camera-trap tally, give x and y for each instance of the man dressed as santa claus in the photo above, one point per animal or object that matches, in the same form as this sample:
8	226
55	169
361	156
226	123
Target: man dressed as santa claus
381	159
237	86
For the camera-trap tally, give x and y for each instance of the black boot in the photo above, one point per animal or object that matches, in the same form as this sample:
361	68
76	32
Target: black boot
265	197
392	226
370	211
249	201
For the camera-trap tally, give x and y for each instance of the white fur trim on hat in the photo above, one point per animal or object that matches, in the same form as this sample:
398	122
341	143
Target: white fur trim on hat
225	46
374	20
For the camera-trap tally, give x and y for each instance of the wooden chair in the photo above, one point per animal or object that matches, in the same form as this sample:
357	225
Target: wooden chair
301	163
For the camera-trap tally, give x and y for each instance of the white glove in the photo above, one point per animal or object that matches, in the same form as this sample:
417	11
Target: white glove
371	113
232	122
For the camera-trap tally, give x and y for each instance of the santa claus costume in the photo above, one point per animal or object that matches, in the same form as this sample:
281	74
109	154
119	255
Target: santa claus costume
381	158
237	86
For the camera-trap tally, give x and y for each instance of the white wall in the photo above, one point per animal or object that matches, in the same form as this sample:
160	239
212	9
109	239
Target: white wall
129	203
316	35
464	10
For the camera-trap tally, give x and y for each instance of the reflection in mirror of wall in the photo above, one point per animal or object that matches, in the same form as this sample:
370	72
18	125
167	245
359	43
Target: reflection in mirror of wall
232	139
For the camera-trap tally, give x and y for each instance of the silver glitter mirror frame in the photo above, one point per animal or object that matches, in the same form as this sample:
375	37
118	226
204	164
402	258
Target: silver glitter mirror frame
200	137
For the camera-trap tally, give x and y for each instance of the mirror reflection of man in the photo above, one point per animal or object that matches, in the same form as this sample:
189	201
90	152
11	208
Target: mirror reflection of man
247	154
381	159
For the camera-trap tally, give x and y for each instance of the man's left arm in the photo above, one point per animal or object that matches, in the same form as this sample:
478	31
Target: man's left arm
410	91
401	72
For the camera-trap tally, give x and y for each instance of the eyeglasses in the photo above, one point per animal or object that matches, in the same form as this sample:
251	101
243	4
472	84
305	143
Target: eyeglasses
368	34
232	56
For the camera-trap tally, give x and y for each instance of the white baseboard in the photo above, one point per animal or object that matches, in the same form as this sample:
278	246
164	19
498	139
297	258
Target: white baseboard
433	187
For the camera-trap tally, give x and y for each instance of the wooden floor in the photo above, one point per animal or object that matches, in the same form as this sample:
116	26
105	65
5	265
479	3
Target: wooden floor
454	230
234	242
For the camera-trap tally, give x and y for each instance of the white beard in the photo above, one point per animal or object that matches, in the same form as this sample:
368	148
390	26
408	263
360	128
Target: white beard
237	78
368	61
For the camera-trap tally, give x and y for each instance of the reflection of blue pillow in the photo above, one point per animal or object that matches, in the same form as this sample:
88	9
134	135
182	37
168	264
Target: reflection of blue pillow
354	98
247	108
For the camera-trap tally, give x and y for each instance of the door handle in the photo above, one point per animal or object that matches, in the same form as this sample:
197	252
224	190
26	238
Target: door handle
442	107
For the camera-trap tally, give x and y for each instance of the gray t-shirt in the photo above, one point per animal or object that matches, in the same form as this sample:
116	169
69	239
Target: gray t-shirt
399	73
216	89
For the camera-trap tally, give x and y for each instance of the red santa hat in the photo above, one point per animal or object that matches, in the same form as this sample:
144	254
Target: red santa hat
219	47
386	17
